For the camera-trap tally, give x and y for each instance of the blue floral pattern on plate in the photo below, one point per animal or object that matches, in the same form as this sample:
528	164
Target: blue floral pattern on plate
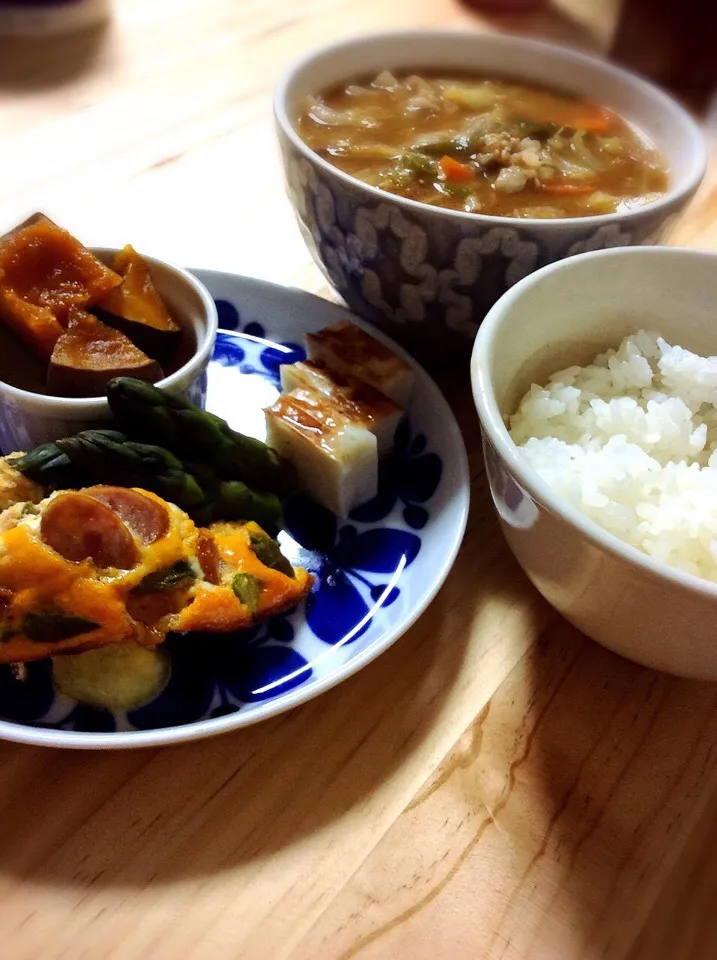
271	355
363	567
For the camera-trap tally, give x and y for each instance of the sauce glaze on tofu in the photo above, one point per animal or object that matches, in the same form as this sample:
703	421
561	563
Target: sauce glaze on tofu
339	413
348	349
336	459
355	399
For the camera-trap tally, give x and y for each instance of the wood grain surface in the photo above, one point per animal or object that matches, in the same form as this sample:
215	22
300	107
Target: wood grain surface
495	785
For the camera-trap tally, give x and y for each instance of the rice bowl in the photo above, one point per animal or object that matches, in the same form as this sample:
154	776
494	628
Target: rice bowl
631	441
657	608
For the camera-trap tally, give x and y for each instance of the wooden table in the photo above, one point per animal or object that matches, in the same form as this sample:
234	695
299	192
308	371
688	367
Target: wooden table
495	785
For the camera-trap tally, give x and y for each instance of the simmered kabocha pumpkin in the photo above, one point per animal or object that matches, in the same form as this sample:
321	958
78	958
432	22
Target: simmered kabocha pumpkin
44	272
88	354
91	322
136	309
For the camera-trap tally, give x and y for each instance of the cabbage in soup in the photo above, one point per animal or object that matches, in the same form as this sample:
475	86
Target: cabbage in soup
494	147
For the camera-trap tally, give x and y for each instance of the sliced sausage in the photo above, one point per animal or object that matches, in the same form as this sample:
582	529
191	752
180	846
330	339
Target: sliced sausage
146	518
80	527
208	556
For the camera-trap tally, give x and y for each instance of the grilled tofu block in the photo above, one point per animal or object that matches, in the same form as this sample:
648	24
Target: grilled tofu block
335	458
348	349
104	565
355	399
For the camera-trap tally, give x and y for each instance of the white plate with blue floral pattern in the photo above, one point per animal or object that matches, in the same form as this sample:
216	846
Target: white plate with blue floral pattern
375	573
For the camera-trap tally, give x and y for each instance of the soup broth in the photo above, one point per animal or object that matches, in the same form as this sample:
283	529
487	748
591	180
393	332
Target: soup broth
486	146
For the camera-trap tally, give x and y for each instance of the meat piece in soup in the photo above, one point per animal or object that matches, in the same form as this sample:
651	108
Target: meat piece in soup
484	146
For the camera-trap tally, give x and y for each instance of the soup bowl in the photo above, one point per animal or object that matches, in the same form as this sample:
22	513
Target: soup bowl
29	417
564	314
428	274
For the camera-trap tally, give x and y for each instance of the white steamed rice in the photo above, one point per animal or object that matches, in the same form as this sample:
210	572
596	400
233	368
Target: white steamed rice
631	442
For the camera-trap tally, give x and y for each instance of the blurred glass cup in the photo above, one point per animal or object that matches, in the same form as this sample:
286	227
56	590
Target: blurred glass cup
43	17
672	44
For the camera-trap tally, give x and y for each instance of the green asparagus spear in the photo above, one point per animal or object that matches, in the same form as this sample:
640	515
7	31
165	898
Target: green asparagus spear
235	501
48	466
102	458
269	552
180	574
53	626
159	416
106	456
247	588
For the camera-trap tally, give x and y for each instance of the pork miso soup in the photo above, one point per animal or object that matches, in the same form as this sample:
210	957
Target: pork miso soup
495	147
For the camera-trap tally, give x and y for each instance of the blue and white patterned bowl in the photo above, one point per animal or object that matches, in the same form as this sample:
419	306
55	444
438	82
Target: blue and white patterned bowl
375	573
429	275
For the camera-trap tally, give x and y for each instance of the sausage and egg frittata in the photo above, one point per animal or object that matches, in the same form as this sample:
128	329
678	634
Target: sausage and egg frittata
107	565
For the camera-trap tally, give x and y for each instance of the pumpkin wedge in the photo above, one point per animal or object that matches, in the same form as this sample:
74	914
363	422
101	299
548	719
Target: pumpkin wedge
135	308
89	354
35	325
44	271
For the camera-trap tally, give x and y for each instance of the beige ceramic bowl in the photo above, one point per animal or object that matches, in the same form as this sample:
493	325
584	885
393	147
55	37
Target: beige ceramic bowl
28	418
566	313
